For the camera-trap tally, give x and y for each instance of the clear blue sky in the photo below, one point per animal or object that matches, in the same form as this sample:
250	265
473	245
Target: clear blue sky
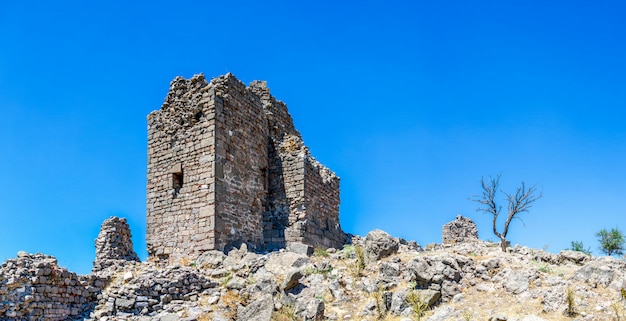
410	103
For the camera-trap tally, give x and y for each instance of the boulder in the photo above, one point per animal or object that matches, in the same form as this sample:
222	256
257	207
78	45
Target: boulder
498	317
300	248
390	269
516	282
211	259
598	272
258	310
443	314
398	302
314	310
278	263
430	297
291	279
379	244
575	257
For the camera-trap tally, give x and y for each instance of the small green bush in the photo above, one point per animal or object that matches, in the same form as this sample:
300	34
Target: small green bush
611	242
579	247
320	252
348	251
414	299
358	265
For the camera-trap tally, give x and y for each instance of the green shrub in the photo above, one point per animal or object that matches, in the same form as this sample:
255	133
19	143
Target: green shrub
579	247
320	252
348	251
415	301
611	242
358	265
381	307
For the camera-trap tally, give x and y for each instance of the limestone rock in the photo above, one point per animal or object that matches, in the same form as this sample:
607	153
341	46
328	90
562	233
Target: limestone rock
211	259
430	297
313	310
379	244
398	302
258	310
443	314
300	248
600	272
498	317
575	257
516	282
291	279
278	263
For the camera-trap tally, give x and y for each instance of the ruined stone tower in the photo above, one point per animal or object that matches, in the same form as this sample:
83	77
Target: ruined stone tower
226	166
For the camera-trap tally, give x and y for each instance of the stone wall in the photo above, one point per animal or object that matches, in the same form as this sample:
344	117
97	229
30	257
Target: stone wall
226	166
285	170
181	174
241	165
34	287
321	192
304	194
114	245
462	229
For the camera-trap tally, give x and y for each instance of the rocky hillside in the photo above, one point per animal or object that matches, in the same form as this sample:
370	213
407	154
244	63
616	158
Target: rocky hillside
374	278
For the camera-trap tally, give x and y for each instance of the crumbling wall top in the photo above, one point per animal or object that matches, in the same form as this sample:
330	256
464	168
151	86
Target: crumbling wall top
114	244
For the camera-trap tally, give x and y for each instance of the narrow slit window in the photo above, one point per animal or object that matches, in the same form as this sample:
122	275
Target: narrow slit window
177	179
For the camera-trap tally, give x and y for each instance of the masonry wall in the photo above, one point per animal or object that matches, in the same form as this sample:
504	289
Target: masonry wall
181	141
241	165
321	190
226	166
34	287
285	171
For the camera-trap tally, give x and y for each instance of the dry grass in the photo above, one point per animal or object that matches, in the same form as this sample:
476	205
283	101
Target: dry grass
285	313
231	302
570	299
205	317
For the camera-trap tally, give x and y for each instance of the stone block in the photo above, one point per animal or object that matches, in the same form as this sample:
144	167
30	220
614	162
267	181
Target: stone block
300	248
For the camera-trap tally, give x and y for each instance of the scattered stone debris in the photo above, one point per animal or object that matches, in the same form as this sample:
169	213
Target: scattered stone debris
474	280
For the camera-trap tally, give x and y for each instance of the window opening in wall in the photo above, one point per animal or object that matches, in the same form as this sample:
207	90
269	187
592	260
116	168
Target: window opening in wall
266	179
177	179
198	115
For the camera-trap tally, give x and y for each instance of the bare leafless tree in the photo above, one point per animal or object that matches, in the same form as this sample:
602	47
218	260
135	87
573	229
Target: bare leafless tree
519	202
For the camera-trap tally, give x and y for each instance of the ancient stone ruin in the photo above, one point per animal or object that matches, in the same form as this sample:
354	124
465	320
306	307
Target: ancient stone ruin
114	245
226	166
462	229
34	287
